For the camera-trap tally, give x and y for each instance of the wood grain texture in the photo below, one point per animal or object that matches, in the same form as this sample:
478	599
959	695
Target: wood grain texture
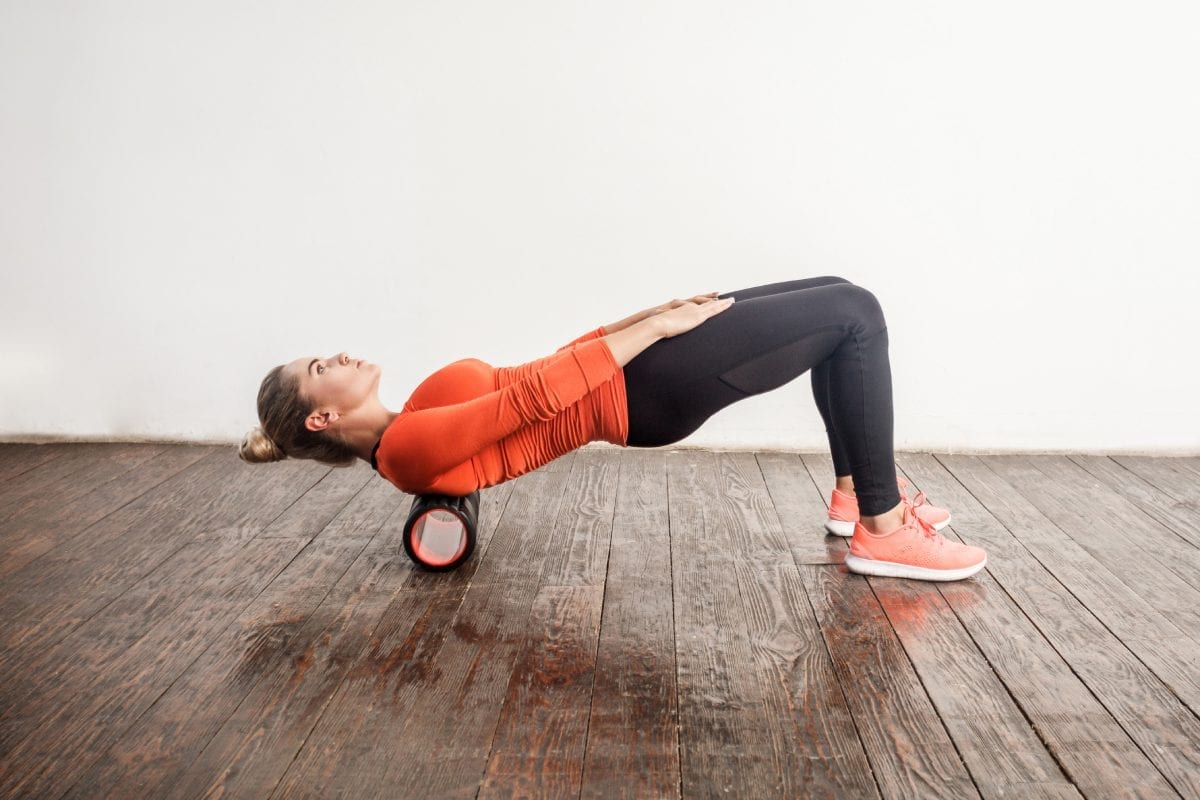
632	734
761	712
1030	638
76	470
1099	522
822	754
990	733
910	750
217	498
579	555
801	500
137	647
633	623
17	459
58	518
433	684
233	712
1165	490
724	749
541	735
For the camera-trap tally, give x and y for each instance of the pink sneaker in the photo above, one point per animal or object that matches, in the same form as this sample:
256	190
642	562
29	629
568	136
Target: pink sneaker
843	510
937	517
913	550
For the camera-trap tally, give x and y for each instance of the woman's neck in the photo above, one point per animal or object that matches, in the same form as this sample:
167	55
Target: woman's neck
363	432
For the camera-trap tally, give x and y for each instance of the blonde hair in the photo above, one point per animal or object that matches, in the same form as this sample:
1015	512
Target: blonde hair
282	434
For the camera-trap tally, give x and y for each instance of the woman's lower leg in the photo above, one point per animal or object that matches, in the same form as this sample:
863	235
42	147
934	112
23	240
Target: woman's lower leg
887	521
861	417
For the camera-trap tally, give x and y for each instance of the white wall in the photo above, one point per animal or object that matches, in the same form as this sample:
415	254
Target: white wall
191	193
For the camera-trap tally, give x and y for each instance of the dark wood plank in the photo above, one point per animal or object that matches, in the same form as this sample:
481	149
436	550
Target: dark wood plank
18	458
821	751
632	734
1153	562
721	745
77	469
541	735
580	553
40	529
1178	476
1141	617
1083	492
761	714
1030	639
1166	492
1012	524
118	664
259	687
538	748
278	667
989	731
52	753
910	750
217	497
801	502
633	624
435	687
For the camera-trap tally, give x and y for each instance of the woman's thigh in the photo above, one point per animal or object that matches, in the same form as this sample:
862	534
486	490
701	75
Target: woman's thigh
783	286
761	342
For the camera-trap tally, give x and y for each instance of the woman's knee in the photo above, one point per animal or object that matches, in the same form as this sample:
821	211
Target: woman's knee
863	306
831	279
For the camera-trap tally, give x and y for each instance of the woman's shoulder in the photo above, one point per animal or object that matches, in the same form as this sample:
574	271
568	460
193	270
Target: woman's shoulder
456	382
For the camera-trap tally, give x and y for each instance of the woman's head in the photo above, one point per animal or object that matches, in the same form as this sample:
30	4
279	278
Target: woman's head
305	407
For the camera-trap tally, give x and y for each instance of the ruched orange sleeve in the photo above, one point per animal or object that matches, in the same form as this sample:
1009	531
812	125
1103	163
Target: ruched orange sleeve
423	443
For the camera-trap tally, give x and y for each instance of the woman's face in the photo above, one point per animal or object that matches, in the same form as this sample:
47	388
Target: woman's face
339	383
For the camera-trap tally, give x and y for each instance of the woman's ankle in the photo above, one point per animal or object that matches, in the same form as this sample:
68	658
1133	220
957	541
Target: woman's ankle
885	522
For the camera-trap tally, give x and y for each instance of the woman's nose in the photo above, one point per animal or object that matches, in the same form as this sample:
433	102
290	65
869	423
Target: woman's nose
343	358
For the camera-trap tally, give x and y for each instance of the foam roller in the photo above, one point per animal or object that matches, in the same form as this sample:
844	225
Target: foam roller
440	531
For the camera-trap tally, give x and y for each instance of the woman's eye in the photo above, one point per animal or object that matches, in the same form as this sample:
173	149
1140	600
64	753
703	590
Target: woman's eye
320	368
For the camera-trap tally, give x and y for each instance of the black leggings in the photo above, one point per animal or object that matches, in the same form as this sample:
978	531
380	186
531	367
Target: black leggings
769	336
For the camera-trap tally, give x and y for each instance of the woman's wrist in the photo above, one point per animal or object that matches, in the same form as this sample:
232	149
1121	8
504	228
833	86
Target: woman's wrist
626	344
632	319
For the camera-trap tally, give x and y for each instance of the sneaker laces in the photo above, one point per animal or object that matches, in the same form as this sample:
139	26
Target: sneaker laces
926	528
919	500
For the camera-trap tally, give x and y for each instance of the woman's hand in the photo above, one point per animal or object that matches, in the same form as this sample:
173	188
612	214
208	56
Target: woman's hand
688	314
649	313
699	299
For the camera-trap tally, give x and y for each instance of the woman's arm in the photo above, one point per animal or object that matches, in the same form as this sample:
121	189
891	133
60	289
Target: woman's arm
625	344
679	318
423	444
634	319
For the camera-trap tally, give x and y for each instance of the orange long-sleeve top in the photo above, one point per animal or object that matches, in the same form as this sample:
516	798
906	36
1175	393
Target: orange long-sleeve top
471	425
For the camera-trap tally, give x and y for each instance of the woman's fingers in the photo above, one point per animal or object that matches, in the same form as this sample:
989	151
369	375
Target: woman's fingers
720	305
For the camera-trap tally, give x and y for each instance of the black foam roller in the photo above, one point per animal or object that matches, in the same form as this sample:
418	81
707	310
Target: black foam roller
465	511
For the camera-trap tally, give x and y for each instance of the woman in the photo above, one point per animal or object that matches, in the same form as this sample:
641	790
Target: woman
646	381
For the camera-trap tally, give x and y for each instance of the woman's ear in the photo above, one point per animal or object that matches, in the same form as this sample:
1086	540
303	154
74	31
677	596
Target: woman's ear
320	420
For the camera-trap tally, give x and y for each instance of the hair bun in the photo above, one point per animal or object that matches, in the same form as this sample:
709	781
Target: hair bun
258	448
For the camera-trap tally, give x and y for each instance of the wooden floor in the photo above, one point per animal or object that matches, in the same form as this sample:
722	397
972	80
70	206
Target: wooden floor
634	623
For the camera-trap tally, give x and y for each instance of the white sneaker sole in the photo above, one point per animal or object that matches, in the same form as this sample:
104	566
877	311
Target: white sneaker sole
840	527
891	569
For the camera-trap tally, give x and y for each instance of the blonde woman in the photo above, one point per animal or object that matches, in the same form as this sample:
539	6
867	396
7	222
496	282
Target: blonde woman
649	380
